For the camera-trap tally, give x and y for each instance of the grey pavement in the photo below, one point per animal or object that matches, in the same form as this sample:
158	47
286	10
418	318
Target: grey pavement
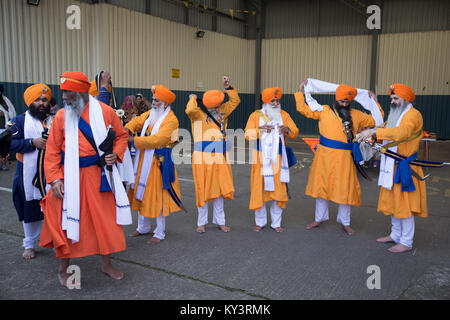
323	263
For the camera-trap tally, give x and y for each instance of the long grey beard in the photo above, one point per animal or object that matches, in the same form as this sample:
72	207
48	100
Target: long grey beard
273	113
77	106
394	114
155	114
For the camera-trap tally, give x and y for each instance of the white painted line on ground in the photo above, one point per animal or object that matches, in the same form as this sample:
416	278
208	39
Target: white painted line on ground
5	189
187	180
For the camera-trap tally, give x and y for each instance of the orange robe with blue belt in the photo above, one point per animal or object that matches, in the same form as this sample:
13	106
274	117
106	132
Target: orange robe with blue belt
212	173
99	232
155	201
394	201
333	174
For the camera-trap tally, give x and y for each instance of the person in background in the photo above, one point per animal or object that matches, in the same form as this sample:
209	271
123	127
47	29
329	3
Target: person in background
141	104
7	113
129	108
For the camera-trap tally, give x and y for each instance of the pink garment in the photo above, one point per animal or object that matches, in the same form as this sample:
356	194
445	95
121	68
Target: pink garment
128	104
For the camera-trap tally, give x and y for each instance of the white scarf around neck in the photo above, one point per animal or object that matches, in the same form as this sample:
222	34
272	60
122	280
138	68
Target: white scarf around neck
148	155
33	129
387	164
269	143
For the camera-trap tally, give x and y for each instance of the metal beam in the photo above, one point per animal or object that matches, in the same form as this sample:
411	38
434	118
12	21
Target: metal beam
260	33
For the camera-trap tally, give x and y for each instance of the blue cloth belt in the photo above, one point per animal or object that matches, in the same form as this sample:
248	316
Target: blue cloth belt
167	168
212	146
403	174
334	144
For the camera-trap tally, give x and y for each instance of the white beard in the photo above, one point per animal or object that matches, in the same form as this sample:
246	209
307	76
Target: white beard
155	114
273	113
394	115
77	107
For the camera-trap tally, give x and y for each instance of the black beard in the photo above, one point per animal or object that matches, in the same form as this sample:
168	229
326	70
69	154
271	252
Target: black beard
38	114
344	112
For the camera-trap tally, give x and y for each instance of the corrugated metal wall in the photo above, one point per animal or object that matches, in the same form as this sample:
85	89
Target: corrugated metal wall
138	49
286	62
421	60
307	18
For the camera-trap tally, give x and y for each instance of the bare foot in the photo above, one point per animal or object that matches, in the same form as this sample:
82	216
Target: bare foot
313	225
257	228
278	229
201	229
224	228
349	230
400	248
29	254
137	234
63	277
385	239
154	240
112	272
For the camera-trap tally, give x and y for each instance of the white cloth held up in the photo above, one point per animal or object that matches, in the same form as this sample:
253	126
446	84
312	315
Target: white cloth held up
363	98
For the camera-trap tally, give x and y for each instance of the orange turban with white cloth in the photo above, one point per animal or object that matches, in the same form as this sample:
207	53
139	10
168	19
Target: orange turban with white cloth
403	91
344	92
35	91
164	94
213	98
271	93
74	81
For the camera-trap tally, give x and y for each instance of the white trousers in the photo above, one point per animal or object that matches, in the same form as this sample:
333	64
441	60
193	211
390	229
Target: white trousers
275	215
32	232
144	226
343	216
218	213
403	230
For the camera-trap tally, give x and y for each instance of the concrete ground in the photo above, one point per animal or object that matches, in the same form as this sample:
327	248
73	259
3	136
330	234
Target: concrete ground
323	263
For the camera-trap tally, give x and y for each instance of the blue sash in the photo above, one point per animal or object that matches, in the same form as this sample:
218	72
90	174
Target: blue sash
89	161
167	168
403	174
213	146
334	144
354	147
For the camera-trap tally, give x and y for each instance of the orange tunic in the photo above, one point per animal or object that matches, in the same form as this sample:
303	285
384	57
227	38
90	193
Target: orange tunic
333	174
212	173
258	196
394	201
99	233
155	199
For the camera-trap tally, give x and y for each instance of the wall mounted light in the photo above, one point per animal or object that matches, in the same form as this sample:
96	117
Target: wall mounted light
33	2
200	34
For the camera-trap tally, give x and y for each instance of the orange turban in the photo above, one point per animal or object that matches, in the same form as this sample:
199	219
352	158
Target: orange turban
403	91
270	93
164	94
213	98
74	81
346	92
35	91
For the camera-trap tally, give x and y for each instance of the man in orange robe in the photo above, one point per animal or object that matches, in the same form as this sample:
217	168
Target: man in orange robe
212	172
402	199
88	225
153	195
333	174
259	129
